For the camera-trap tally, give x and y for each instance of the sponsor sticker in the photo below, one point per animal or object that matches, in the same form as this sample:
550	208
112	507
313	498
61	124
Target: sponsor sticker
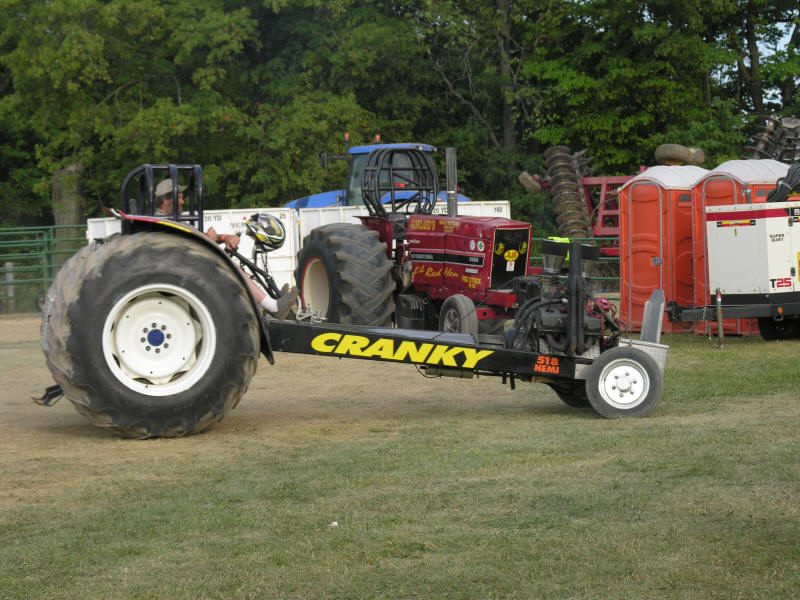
738	223
548	365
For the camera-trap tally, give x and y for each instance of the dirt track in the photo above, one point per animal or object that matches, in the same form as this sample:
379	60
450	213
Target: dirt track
298	393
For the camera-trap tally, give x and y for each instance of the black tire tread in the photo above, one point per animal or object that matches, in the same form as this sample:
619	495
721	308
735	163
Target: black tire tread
87	265
364	293
572	393
772	330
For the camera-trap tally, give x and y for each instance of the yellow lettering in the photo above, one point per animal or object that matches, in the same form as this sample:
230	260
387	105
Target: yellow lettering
472	282
472	356
444	355
423	225
353	345
431	272
320	344
383	348
412	352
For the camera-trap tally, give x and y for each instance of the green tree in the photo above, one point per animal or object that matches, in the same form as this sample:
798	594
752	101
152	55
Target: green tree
108	85
326	68
254	90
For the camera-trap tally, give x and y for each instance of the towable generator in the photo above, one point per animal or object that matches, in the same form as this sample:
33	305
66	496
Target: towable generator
154	333
754	263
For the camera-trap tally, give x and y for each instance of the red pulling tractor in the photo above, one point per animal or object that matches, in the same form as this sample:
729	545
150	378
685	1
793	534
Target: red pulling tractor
154	333
409	267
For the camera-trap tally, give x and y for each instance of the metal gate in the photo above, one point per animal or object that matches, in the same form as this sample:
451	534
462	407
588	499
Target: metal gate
30	257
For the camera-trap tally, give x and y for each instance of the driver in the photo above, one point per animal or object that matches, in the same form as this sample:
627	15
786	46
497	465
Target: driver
279	308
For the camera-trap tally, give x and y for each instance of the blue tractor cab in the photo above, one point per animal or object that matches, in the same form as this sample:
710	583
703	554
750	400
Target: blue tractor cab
357	158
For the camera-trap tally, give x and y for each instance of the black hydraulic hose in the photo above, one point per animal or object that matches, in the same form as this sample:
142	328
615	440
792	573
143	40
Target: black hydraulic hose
524	317
786	185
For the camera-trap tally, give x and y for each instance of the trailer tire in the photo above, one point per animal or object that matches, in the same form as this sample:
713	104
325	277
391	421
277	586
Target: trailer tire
624	382
572	393
150	335
458	315
344	274
772	330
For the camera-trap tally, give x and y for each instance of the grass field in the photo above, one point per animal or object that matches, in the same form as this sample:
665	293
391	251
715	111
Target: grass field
438	489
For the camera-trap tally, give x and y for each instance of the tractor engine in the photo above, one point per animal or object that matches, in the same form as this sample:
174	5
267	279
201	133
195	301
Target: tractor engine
557	313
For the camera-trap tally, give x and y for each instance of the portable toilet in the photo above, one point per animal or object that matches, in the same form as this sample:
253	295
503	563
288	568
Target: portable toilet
656	240
747	181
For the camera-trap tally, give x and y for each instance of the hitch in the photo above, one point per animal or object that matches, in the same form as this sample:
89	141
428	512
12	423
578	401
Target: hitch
51	396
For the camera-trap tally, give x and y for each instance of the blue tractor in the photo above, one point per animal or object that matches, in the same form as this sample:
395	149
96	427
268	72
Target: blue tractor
357	158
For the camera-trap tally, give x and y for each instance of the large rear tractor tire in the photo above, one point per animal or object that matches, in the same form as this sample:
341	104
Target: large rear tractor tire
624	382
344	276
150	335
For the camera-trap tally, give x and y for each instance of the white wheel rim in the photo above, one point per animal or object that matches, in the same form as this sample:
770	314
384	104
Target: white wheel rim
624	384
159	339
315	287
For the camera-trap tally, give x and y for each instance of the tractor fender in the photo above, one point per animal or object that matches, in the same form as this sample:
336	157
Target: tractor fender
137	223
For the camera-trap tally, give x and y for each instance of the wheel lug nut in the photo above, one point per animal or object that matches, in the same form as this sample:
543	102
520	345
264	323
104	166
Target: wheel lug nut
158	350
163	327
154	325
147	348
141	340
166	345
169	335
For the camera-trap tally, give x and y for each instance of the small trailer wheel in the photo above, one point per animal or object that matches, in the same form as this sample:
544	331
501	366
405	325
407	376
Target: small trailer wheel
624	382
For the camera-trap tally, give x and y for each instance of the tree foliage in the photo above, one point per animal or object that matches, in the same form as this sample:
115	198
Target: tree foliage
254	90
